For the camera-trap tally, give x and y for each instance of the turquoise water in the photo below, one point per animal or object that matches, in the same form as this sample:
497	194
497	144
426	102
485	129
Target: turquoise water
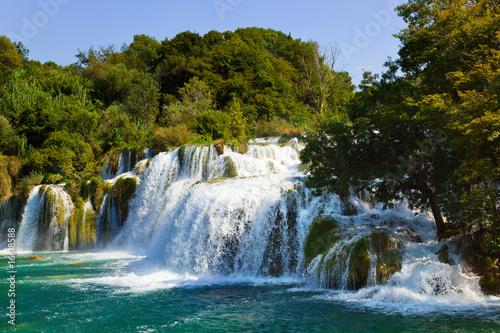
101	293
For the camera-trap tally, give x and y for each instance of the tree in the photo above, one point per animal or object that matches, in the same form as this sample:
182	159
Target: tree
142	103
432	136
195	98
142	53
385	149
66	154
10	58
320	74
238	123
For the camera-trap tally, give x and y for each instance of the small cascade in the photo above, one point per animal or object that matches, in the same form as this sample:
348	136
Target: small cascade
124	161
11	209
44	224
82	225
351	259
28	228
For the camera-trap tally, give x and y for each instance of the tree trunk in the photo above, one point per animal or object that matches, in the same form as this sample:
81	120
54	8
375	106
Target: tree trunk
441	228
436	212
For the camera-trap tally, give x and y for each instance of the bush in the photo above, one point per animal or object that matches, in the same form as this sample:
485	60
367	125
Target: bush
171	137
52	178
273	127
214	123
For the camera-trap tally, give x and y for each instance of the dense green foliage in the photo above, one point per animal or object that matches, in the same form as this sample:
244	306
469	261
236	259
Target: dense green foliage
432	134
62	121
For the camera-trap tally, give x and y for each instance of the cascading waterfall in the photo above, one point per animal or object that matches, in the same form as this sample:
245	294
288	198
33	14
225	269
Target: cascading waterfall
126	162
44	224
194	212
29	223
190	219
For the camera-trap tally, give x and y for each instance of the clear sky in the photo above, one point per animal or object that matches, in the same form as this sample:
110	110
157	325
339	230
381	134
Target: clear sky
55	29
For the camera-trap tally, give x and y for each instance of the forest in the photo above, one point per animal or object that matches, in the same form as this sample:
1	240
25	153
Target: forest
58	123
426	131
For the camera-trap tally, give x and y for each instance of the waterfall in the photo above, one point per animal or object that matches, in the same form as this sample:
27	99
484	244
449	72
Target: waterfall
29	223
199	212
195	212
44	224
124	161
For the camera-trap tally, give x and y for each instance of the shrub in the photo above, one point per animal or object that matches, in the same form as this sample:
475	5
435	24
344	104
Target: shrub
171	137
214	123
273	127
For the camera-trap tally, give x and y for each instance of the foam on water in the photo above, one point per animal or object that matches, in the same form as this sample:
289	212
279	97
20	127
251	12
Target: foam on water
134	282
424	285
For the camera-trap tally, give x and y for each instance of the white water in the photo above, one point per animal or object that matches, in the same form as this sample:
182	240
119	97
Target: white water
189	227
52	216
228	226
29	223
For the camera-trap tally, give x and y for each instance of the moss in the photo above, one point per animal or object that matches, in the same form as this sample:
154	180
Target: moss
230	168
54	202
271	166
75	221
52	178
240	147
122	191
5	178
219	145
73	189
95	191
82	226
388	264
181	153
354	257
305	167
90	227
114	161
321	237
387	248
215	181
359	264
25	191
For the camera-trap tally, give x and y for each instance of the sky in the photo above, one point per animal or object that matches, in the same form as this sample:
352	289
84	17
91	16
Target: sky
54	30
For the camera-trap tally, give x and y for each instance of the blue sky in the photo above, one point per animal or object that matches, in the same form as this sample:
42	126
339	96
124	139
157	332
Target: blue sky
56	29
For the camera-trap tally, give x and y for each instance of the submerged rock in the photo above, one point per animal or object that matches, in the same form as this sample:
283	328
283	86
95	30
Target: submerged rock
34	258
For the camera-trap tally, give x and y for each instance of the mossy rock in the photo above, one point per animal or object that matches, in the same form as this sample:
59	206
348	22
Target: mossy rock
93	190
73	189
181	153
230	168
54	201
388	250
354	257
304	167
122	191
490	283
114	161
321	237
475	248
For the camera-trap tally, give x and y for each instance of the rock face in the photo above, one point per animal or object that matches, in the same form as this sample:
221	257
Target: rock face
341	259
